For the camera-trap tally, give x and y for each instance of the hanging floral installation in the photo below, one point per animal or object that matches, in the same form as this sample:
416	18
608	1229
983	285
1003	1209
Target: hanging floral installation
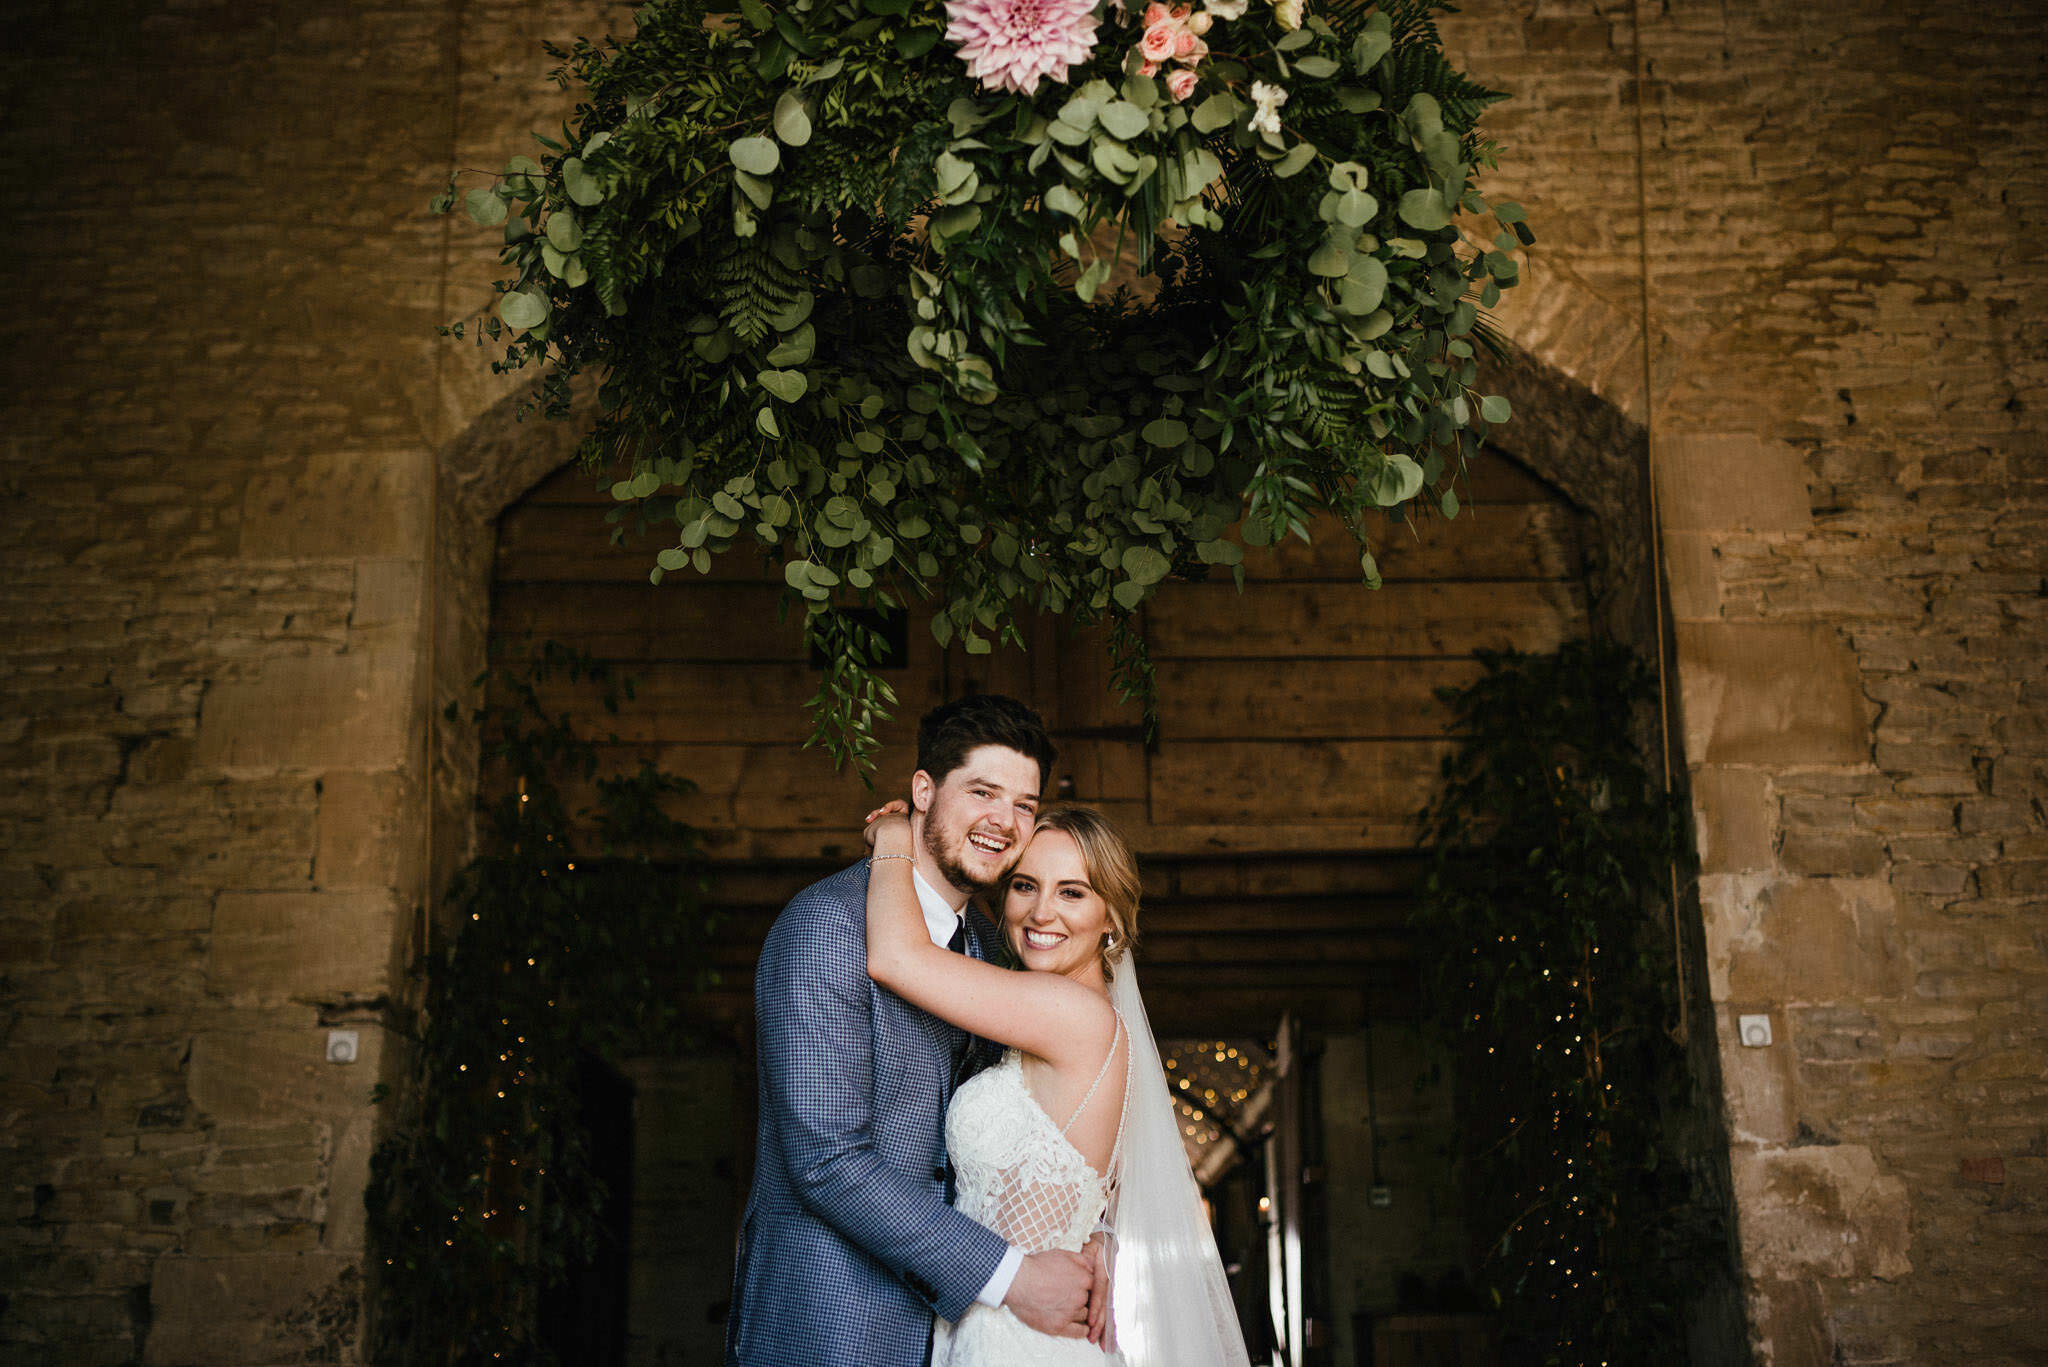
842	268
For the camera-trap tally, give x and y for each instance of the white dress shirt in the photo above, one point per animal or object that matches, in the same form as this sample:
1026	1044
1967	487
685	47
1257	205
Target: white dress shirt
941	919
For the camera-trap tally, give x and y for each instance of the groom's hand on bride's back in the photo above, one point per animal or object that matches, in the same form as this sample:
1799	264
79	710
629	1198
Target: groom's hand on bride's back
1051	1291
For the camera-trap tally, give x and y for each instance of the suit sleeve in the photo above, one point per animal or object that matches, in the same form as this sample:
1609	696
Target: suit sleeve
815	1018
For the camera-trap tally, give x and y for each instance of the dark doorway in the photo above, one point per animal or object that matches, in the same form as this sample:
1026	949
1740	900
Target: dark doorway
584	1322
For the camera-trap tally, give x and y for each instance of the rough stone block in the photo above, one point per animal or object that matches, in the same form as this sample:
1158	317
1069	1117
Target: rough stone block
1756	693
308	946
1761	1084
1821	1210
1789	1324
300	1308
265	1076
389	608
369	832
348	1174
341	505
1692	576
1820	855
1737	482
346	711
1732	813
1800	940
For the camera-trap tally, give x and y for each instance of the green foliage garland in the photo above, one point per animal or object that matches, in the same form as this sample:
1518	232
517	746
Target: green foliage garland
1551	850
848	305
481	1196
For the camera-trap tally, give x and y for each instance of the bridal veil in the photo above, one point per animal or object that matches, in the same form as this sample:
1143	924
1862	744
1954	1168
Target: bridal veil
1172	1305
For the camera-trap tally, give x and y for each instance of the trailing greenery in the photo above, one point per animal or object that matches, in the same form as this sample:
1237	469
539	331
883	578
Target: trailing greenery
848	303
1552	848
569	930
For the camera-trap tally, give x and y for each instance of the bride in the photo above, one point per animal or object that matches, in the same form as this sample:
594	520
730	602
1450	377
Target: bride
1074	1130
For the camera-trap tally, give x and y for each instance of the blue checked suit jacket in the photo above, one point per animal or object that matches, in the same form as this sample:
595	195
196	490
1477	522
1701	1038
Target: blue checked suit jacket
849	1246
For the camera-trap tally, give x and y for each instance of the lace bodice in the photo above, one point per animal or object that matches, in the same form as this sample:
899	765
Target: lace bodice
1018	1173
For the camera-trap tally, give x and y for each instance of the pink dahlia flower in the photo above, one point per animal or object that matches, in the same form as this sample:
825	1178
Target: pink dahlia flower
1014	44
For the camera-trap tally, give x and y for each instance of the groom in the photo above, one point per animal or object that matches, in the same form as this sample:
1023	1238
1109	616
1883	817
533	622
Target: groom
849	1246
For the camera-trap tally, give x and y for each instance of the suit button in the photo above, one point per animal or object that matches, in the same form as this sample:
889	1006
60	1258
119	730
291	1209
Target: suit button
939	1174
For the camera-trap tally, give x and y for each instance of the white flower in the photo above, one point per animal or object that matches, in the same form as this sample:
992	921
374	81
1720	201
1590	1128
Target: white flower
1227	9
1289	13
1268	98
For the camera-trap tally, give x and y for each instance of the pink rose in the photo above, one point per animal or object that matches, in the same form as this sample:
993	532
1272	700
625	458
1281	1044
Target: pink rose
1149	69
1155	13
1188	48
1160	40
1180	84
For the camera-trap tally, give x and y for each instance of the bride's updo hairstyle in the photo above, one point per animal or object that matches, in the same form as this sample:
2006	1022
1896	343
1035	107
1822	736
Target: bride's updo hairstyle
1112	872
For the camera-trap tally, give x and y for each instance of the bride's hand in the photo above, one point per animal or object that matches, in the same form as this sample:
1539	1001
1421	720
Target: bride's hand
891	821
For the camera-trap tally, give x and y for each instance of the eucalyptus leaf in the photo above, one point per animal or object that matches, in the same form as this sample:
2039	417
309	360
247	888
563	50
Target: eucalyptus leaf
1318	67
1333	258
1296	159
1166	432
791	121
1091	278
527	308
583	187
1218	111
487	209
794	349
755	155
1425	209
1145	564
1123	119
1495	408
564	231
1399	480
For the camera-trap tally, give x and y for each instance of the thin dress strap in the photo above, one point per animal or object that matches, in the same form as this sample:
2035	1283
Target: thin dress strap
1107	1059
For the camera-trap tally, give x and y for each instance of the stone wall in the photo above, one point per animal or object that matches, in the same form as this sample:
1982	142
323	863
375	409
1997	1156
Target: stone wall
1793	243
1840	210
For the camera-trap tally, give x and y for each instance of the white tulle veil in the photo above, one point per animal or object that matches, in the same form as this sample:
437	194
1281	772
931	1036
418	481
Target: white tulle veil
1171	1303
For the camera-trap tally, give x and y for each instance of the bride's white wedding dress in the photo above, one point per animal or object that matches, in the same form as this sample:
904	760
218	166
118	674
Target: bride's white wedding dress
1019	1174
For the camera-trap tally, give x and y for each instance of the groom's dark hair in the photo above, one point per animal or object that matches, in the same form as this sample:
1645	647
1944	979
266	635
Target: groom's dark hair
949	731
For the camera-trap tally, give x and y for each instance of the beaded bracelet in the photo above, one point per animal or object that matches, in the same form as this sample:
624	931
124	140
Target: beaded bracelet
874	857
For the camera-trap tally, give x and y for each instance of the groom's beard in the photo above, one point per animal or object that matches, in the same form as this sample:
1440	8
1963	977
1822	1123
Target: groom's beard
944	845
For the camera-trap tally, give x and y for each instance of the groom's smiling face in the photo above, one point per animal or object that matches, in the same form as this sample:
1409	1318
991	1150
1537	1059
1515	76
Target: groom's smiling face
973	823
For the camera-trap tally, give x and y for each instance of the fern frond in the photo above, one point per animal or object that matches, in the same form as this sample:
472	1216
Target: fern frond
753	287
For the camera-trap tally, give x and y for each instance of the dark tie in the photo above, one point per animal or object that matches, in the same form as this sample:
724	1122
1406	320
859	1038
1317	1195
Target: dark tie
963	1052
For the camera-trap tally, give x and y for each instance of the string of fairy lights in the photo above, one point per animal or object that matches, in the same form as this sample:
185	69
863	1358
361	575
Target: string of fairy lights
1211	1081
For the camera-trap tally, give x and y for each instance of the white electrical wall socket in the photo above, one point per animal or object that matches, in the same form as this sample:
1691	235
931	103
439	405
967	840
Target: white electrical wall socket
1755	1031
342	1046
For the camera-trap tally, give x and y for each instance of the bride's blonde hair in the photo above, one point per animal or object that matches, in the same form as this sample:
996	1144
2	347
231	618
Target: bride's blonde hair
1112	872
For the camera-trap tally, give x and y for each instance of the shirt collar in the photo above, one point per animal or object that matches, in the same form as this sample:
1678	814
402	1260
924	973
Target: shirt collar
941	918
